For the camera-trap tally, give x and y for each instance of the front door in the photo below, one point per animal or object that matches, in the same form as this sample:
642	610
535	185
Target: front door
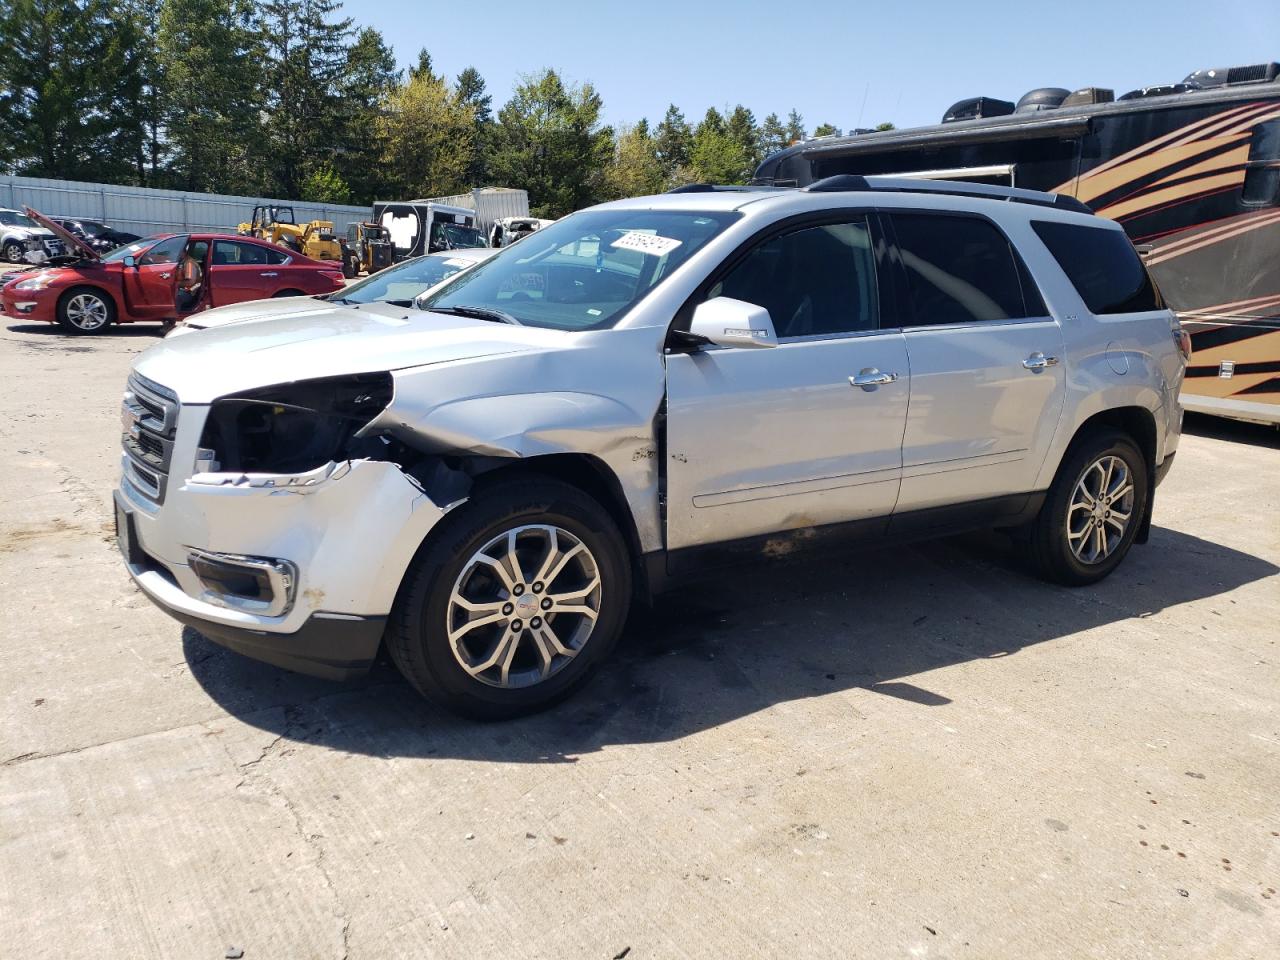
763	440
151	284
987	387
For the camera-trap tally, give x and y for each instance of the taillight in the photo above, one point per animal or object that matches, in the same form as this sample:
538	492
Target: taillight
1183	341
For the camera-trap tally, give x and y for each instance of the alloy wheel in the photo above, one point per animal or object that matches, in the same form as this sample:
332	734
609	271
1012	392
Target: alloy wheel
1101	509
13	252
86	312
524	605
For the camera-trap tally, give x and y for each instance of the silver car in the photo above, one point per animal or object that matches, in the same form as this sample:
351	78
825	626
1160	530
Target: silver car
483	478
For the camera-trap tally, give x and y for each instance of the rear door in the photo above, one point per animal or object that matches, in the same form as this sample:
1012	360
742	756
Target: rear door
762	440
150	286
987	384
242	271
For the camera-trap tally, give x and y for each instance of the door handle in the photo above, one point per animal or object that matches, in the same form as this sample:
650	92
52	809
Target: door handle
870	378
269	273
1038	362
165	276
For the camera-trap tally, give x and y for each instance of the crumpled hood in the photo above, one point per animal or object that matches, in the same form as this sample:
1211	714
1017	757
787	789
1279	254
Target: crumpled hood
324	340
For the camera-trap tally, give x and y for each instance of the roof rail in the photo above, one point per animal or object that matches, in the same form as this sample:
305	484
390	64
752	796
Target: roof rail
721	188
847	182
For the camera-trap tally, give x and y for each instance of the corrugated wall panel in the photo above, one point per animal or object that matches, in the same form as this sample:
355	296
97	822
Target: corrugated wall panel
144	211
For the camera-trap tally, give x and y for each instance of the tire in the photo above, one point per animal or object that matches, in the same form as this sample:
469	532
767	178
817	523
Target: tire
446	569
350	267
1063	545
13	252
85	310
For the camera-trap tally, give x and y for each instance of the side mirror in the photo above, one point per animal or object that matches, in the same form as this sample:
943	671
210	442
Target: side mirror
130	261
726	322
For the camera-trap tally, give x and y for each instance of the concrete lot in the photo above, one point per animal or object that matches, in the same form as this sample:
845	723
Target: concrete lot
912	752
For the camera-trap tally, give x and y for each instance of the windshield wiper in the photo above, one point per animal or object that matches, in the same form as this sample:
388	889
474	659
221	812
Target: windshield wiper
479	313
402	303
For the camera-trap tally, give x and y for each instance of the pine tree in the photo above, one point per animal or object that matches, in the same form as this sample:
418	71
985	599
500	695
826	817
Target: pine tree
209	55
826	130
549	140
795	127
369	78
672	142
741	129
773	135
471	91
717	155
67	85
306	59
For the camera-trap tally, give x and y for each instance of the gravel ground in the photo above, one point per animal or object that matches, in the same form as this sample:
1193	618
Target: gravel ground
915	751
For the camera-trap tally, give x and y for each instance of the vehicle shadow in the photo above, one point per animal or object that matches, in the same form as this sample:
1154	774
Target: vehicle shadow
763	636
115	330
1236	431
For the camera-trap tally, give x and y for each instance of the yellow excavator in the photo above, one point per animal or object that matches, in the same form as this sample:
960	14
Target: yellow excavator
277	224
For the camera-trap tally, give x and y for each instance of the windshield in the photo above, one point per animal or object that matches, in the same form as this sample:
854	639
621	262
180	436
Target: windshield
92	228
405	281
585	271
135	249
12	219
460	236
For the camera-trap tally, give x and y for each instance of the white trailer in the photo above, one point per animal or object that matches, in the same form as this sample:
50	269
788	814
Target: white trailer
489	203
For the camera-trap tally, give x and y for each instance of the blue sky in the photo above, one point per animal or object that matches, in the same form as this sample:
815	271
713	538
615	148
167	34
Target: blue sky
851	64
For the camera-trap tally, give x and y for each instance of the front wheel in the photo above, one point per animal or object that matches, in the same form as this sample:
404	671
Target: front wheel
13	252
514	601
1093	510
86	311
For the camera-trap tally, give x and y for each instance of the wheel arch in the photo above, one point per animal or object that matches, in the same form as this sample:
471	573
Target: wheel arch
587	473
1136	422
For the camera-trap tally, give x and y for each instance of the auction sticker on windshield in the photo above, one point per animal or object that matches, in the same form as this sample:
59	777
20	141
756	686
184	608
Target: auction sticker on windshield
649	243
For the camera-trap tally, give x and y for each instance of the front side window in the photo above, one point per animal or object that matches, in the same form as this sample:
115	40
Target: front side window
1102	265
814	281
166	251
961	270
583	272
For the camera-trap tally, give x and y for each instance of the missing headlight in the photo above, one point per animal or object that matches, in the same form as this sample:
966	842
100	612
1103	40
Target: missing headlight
294	427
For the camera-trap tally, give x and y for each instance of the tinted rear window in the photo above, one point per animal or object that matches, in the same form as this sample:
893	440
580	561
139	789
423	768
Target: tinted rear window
1102	265
962	270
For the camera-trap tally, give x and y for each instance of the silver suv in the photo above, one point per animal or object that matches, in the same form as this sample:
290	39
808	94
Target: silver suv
484	479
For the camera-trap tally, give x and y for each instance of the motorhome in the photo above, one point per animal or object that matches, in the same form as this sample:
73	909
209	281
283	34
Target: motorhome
1191	170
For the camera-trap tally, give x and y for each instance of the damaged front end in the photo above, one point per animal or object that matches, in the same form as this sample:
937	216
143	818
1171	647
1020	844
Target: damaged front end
281	526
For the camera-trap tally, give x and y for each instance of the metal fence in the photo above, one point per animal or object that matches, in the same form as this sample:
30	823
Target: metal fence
144	211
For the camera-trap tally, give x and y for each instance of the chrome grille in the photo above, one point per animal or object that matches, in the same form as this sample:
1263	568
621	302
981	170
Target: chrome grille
149	418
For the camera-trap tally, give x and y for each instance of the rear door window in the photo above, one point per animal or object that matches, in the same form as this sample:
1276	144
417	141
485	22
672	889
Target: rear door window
815	281
962	269
1102	265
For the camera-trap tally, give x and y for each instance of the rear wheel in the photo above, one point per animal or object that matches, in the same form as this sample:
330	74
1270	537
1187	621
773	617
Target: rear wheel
85	310
350	267
514	601
1093	510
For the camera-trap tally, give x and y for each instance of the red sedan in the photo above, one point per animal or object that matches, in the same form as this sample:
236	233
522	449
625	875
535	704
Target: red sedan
163	279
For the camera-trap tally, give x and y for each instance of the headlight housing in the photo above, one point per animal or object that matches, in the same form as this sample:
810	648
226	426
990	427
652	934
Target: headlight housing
294	427
38	282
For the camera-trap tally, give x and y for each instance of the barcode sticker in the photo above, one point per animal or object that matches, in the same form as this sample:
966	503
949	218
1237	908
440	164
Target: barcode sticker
649	243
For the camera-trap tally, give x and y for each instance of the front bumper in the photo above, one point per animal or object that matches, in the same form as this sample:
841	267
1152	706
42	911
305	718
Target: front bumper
351	535
29	305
